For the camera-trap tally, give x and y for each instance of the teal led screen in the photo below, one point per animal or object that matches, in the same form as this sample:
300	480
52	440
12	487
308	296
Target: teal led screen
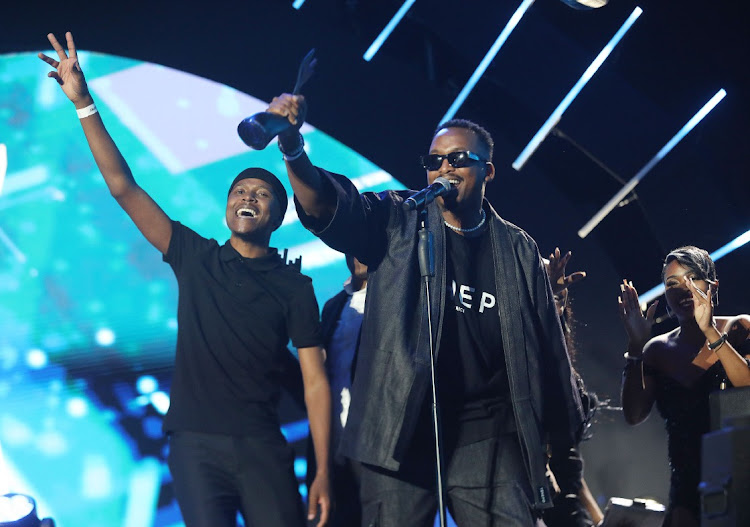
87	307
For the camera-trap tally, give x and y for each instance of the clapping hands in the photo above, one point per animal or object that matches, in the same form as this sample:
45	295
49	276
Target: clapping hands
637	326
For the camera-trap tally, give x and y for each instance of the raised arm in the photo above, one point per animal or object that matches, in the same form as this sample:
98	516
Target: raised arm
312	191
150	219
638	392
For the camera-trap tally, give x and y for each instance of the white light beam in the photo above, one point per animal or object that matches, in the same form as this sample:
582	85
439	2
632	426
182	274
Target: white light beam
573	93
387	30
487	60
739	241
630	185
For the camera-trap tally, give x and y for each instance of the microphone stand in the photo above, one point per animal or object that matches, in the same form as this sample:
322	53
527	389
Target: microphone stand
426	256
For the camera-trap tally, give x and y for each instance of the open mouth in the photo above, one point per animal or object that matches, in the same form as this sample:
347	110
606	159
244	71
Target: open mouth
453	181
246	212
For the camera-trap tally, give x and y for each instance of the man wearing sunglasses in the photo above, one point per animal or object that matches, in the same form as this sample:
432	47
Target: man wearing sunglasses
504	382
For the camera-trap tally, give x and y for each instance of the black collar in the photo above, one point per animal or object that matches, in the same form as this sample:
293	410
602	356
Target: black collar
227	253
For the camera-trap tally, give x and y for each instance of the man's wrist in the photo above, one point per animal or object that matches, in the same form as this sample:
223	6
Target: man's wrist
292	146
290	138
83	102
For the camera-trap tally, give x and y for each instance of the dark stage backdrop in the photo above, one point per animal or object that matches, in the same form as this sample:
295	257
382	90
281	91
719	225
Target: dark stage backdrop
87	308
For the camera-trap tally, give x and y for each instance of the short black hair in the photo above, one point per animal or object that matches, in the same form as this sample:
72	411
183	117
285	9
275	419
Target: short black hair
484	136
695	259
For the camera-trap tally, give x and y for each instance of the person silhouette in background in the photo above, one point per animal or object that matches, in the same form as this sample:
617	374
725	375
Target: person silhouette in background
341	322
575	506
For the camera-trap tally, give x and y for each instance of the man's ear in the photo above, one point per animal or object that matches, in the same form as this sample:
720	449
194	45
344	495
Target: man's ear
489	172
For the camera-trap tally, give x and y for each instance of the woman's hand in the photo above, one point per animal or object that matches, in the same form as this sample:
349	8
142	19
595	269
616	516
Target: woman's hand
556	270
703	305
637	326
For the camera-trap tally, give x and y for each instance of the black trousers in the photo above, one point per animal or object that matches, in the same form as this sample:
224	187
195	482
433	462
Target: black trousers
486	486
217	476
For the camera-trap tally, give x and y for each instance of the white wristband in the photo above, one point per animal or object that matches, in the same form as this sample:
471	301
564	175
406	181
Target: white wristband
87	111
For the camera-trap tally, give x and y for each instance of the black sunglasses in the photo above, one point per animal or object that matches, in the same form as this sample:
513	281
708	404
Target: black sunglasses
462	158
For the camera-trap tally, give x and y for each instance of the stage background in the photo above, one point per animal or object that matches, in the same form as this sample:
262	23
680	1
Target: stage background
87	308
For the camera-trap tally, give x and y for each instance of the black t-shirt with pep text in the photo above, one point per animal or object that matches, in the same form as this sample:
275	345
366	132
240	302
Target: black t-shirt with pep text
473	379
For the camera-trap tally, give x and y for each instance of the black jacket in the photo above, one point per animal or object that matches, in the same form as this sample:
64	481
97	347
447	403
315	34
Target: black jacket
393	365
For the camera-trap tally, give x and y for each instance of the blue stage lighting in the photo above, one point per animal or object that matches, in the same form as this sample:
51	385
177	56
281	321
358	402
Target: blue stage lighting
295	431
3	164
19	510
573	93
487	60
738	242
375	46
630	185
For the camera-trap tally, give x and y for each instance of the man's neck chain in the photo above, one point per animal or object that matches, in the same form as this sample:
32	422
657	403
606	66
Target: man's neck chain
471	229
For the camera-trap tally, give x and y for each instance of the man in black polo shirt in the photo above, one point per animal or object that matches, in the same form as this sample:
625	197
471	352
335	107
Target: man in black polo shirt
239	304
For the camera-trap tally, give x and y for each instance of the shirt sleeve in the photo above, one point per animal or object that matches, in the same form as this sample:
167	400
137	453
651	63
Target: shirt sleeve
184	242
360	222
304	318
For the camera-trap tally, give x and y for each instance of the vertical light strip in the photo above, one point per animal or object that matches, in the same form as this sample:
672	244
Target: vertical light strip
487	60
630	185
375	46
560	110
735	244
3	165
298	3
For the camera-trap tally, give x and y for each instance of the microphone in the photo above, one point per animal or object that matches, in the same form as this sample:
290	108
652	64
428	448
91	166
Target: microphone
440	187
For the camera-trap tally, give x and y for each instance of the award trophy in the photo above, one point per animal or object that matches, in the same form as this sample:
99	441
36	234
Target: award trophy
257	130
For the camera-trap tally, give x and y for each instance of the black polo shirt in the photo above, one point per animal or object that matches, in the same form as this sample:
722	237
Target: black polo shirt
235	317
